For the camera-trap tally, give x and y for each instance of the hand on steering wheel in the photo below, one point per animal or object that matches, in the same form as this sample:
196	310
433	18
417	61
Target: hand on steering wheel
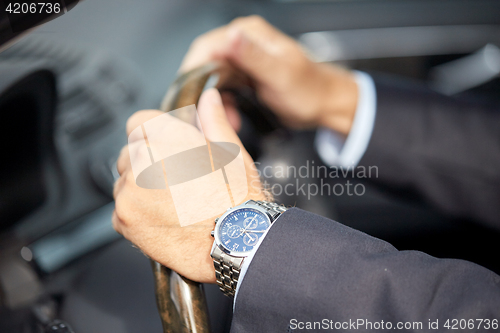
302	93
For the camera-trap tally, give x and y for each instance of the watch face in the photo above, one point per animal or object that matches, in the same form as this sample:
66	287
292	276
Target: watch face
241	230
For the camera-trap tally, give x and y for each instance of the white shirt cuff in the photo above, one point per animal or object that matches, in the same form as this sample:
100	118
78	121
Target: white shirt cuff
333	149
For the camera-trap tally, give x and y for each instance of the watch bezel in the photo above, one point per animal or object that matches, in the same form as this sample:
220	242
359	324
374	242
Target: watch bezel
218	241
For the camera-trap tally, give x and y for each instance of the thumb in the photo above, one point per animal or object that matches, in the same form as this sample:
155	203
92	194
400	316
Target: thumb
238	168
213	119
218	130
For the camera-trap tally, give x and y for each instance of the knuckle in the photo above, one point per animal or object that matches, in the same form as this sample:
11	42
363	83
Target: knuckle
256	19
140	117
125	181
132	122
198	41
117	187
203	40
116	222
237	21
123	160
248	20
123	151
121	212
129	179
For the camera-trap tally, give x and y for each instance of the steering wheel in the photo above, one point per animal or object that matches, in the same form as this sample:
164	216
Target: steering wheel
181	302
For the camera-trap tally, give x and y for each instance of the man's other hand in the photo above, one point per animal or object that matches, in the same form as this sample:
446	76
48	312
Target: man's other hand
303	94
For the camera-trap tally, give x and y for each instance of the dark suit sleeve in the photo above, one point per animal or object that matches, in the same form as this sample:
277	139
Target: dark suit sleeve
310	268
444	150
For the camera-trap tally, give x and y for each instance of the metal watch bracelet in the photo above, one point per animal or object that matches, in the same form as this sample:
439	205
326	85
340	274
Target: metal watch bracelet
228	268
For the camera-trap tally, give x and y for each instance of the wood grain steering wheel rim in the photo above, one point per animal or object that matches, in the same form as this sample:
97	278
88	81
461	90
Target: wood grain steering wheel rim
181	302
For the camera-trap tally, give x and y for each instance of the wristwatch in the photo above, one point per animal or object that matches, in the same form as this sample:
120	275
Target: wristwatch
236	233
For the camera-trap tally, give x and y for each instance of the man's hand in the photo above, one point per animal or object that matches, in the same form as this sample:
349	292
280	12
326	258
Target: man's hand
148	218
301	92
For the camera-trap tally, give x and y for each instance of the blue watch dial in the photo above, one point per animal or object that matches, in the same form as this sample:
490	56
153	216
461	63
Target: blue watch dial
241	230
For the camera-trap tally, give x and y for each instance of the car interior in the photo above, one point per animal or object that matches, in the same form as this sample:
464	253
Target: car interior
68	86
